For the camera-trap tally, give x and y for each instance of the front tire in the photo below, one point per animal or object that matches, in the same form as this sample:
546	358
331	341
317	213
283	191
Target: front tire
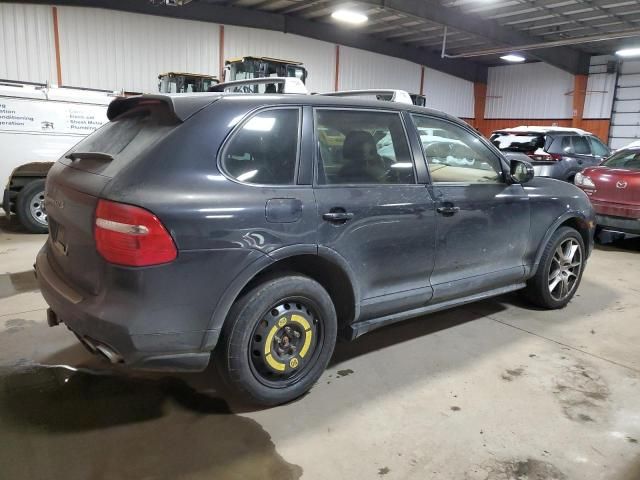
30	207
277	340
560	270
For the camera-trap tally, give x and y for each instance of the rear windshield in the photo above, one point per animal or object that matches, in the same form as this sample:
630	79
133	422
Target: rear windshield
518	142
122	139
629	159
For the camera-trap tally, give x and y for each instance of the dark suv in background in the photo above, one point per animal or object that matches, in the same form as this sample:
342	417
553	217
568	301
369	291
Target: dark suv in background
555	152
258	227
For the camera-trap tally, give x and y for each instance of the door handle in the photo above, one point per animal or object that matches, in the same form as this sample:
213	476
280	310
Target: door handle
448	210
338	217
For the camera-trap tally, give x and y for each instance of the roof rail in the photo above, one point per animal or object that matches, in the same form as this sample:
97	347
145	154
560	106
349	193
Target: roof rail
389	95
290	85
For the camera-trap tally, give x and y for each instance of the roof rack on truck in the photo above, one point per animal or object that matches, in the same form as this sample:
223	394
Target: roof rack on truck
389	95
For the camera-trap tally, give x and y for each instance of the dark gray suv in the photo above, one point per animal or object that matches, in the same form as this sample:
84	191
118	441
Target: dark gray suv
554	152
255	229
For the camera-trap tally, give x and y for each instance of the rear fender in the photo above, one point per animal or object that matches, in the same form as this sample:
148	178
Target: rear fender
259	265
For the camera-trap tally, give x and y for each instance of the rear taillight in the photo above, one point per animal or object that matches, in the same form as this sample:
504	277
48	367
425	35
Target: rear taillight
131	236
545	157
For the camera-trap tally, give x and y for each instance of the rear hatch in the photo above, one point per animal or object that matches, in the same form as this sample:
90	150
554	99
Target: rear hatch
76	181
532	144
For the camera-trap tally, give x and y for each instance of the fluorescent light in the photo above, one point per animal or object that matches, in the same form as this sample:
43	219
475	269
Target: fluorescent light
628	52
349	16
260	124
247	175
512	58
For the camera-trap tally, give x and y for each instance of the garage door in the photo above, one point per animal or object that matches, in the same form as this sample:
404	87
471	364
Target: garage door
625	121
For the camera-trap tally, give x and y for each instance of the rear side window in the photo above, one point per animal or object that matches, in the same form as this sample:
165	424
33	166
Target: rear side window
561	145
362	147
598	148
264	150
581	146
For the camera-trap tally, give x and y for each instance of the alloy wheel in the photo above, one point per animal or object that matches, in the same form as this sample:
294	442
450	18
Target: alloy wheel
565	269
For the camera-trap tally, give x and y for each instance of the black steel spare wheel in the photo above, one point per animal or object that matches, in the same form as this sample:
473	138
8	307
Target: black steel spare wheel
284	341
277	340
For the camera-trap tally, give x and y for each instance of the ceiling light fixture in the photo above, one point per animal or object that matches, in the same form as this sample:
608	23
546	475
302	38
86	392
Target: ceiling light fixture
349	16
628	52
512	58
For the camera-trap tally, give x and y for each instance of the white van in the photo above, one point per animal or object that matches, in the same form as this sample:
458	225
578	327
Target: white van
38	124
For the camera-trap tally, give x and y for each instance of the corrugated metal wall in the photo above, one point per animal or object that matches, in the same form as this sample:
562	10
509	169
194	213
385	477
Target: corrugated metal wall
112	50
27	51
532	91
448	93
600	88
319	57
362	69
115	50
625	121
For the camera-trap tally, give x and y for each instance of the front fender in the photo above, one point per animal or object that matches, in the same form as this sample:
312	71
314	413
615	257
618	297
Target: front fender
559	221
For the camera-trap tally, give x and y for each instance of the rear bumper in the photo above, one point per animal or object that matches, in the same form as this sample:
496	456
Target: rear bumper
106	325
548	169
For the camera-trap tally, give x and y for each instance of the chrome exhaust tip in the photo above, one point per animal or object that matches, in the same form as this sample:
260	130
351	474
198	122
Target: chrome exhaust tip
109	354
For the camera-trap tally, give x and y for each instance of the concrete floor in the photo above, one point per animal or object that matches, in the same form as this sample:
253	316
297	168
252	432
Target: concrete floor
491	391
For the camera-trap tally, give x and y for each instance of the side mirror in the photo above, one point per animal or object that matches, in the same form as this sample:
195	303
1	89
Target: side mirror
521	171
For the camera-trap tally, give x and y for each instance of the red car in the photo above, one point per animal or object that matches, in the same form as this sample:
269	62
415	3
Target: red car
614	190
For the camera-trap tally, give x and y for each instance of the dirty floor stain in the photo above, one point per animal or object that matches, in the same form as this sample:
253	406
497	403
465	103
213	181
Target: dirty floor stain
344	373
510	375
529	469
15	283
582	393
126	428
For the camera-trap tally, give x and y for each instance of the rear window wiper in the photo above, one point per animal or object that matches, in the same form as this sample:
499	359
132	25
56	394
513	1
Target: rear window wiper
90	155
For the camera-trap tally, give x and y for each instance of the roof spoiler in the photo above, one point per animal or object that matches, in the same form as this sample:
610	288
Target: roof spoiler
290	85
186	106
389	95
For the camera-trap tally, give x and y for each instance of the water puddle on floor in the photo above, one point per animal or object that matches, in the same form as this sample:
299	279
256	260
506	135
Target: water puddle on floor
59	422
15	283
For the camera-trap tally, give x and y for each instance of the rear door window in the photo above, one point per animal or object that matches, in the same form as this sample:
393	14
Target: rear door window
362	147
581	146
264	150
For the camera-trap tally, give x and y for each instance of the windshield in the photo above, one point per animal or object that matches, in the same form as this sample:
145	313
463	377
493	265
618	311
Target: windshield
629	159
518	142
